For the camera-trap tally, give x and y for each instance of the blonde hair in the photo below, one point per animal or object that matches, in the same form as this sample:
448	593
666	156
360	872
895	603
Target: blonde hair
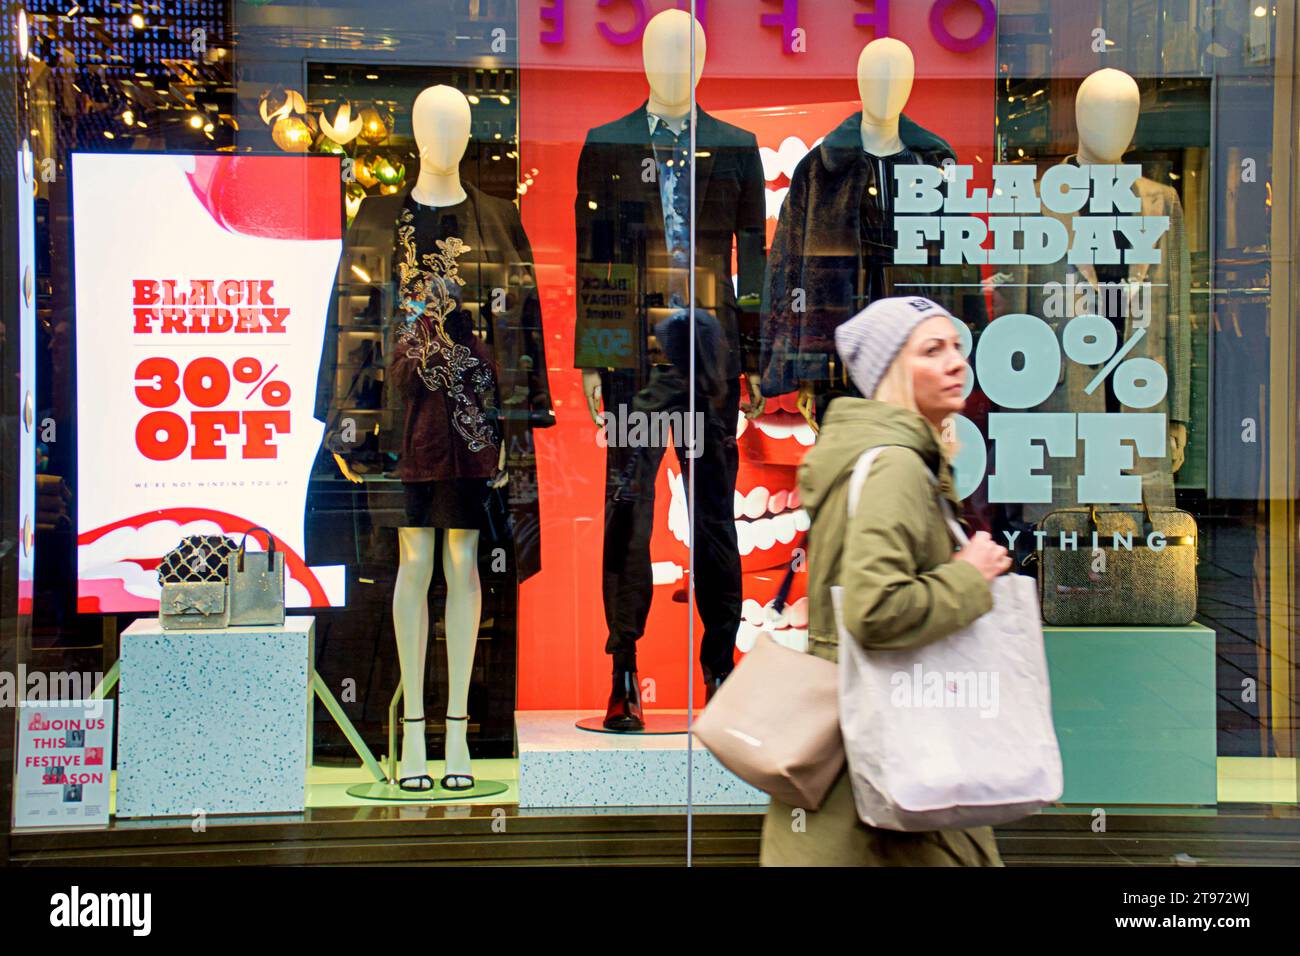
895	388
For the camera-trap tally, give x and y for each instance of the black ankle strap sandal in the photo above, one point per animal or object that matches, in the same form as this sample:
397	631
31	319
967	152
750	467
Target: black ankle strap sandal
445	783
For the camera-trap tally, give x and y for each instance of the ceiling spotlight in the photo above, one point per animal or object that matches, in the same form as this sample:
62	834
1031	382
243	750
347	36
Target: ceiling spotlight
473	99
128	117
22	33
196	120
1260	11
137	21
504	99
208	128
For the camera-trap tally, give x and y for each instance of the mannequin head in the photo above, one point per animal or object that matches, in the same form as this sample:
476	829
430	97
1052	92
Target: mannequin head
886	69
441	120
666	52
1106	114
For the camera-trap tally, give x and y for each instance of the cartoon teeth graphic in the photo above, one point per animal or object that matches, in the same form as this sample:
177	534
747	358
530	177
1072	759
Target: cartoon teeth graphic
763	517
789	627
778	168
118	564
780	423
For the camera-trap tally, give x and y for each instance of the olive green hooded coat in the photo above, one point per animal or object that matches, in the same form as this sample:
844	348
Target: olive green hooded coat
902	589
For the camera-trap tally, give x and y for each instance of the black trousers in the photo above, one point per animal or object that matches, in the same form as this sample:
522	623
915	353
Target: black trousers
630	474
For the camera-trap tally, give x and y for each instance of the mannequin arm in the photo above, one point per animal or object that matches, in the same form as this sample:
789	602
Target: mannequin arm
754	407
502	476
1178	331
751	258
1177	444
591	389
807	404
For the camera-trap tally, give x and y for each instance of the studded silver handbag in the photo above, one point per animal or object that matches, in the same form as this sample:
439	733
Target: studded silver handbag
256	584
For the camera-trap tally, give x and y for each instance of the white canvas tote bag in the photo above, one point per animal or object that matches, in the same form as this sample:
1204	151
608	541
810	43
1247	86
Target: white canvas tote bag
957	733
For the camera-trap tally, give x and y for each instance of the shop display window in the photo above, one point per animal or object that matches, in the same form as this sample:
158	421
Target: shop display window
498	334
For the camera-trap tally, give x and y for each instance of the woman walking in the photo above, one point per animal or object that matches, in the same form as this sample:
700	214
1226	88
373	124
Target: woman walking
903	584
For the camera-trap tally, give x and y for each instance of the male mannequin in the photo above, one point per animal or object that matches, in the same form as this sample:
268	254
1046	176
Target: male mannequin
444	382
1106	114
833	250
634	218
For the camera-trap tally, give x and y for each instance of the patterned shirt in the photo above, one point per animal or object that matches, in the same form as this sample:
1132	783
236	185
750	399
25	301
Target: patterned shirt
672	161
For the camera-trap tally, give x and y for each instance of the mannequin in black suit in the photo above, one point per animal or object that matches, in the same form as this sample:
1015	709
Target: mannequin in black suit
633	216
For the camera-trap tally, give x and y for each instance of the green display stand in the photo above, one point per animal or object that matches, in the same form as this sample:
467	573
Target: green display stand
1135	714
391	791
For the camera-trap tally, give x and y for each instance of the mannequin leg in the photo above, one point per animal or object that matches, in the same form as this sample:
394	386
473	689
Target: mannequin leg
464	606
718	581
411	625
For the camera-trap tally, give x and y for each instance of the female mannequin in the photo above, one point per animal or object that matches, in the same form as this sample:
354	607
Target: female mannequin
1107	108
441	122
1106	114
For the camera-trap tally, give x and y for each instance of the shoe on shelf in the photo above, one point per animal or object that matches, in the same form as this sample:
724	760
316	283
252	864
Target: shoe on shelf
624	710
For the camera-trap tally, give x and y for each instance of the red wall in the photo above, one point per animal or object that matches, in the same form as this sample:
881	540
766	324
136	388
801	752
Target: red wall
586	81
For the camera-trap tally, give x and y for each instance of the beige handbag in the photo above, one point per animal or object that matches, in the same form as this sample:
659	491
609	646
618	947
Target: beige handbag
775	723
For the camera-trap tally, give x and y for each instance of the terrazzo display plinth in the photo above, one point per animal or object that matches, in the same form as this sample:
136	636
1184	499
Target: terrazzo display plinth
214	720
562	766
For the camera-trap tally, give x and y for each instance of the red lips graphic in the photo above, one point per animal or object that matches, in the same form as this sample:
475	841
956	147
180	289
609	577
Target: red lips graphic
265	196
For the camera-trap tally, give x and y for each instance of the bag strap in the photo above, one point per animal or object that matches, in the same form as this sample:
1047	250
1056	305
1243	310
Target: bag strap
859	477
861	469
954	526
270	547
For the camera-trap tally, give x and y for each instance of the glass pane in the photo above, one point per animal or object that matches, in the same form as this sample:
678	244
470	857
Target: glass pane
533	346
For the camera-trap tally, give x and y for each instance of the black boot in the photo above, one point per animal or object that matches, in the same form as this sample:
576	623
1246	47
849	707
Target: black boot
712	681
624	710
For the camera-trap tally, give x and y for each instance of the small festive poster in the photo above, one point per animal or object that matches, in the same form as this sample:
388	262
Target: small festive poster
65	760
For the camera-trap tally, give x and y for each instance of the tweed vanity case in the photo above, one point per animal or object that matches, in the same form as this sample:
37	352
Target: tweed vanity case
1138	585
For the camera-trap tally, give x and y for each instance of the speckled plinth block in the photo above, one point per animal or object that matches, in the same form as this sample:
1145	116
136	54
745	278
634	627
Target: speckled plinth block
213	720
562	766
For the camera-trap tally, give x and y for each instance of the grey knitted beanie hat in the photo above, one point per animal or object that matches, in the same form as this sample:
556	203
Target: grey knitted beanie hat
869	342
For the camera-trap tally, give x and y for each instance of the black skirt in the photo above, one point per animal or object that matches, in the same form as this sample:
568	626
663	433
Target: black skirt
449	503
